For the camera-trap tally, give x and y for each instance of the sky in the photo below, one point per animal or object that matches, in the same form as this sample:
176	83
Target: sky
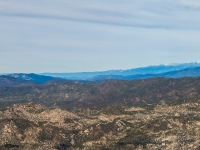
75	35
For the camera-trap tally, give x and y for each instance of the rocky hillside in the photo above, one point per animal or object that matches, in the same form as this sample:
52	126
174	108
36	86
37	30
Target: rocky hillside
152	127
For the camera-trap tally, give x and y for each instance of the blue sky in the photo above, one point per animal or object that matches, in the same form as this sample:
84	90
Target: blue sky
76	35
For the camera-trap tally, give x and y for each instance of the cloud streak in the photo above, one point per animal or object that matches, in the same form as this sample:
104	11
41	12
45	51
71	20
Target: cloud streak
137	14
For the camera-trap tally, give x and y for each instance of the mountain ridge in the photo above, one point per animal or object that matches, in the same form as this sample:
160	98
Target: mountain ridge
32	77
153	69
188	72
191	71
7	81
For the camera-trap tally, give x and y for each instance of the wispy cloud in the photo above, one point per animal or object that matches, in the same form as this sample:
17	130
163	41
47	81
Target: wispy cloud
192	4
145	13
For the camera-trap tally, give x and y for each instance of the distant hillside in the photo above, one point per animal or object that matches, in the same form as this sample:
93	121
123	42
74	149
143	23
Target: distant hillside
32	77
85	94
158	69
6	81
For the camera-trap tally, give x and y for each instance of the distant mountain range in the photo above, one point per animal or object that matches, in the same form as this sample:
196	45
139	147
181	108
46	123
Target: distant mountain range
189	72
6	81
166	71
32	77
157	69
21	79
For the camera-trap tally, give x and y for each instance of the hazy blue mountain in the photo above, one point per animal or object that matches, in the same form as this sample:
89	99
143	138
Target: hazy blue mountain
188	72
120	77
158	69
32	77
6	81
